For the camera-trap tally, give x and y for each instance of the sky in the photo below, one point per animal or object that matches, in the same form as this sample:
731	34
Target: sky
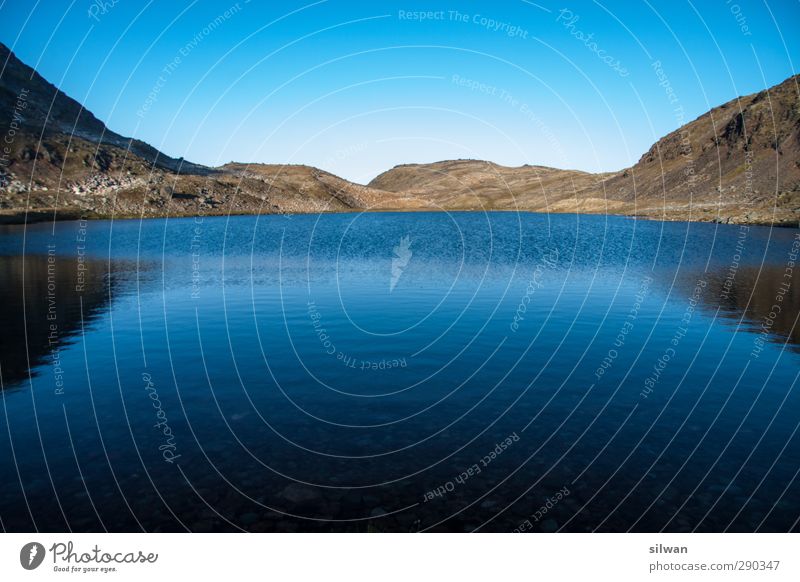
356	88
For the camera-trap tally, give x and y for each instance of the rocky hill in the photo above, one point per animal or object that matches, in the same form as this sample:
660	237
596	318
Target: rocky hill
737	163
63	162
479	185
740	160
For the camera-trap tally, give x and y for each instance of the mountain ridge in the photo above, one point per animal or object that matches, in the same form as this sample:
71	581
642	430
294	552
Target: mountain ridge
738	162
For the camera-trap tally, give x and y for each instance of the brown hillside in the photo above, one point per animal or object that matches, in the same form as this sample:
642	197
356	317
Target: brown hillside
737	163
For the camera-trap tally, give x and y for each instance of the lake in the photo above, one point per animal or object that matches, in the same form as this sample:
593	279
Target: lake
399	372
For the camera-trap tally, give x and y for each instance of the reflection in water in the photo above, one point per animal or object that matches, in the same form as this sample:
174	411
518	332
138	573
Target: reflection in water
280	416
41	297
755	293
750	296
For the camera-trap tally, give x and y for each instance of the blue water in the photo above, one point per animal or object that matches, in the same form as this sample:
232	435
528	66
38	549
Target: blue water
399	372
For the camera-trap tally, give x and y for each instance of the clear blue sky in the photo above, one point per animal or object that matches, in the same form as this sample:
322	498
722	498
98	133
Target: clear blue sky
357	87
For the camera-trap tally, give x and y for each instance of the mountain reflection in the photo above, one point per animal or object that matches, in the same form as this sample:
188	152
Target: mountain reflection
45	299
750	295
40	308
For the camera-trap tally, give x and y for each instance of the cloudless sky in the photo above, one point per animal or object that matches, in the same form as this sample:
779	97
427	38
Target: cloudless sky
358	87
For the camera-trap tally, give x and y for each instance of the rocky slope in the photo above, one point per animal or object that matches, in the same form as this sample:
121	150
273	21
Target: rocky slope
740	162
63	162
737	163
478	185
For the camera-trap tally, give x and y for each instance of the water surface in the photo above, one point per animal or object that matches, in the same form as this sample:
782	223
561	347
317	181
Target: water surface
399	372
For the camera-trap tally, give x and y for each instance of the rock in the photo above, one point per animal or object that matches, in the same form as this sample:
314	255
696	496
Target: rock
249	518
299	494
549	526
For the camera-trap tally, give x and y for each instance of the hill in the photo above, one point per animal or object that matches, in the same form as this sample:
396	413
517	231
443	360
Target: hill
738	162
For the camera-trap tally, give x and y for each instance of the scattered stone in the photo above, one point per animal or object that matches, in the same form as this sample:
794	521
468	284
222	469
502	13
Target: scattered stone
249	518
299	494
549	526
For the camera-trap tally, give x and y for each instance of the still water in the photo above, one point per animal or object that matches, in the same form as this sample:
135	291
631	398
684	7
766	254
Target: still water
399	372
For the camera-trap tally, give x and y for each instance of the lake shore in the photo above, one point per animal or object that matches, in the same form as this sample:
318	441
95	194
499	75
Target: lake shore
21	217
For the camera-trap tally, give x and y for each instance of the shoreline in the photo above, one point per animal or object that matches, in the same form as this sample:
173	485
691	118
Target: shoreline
52	215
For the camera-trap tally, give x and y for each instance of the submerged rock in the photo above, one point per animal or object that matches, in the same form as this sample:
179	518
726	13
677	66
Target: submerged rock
300	494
